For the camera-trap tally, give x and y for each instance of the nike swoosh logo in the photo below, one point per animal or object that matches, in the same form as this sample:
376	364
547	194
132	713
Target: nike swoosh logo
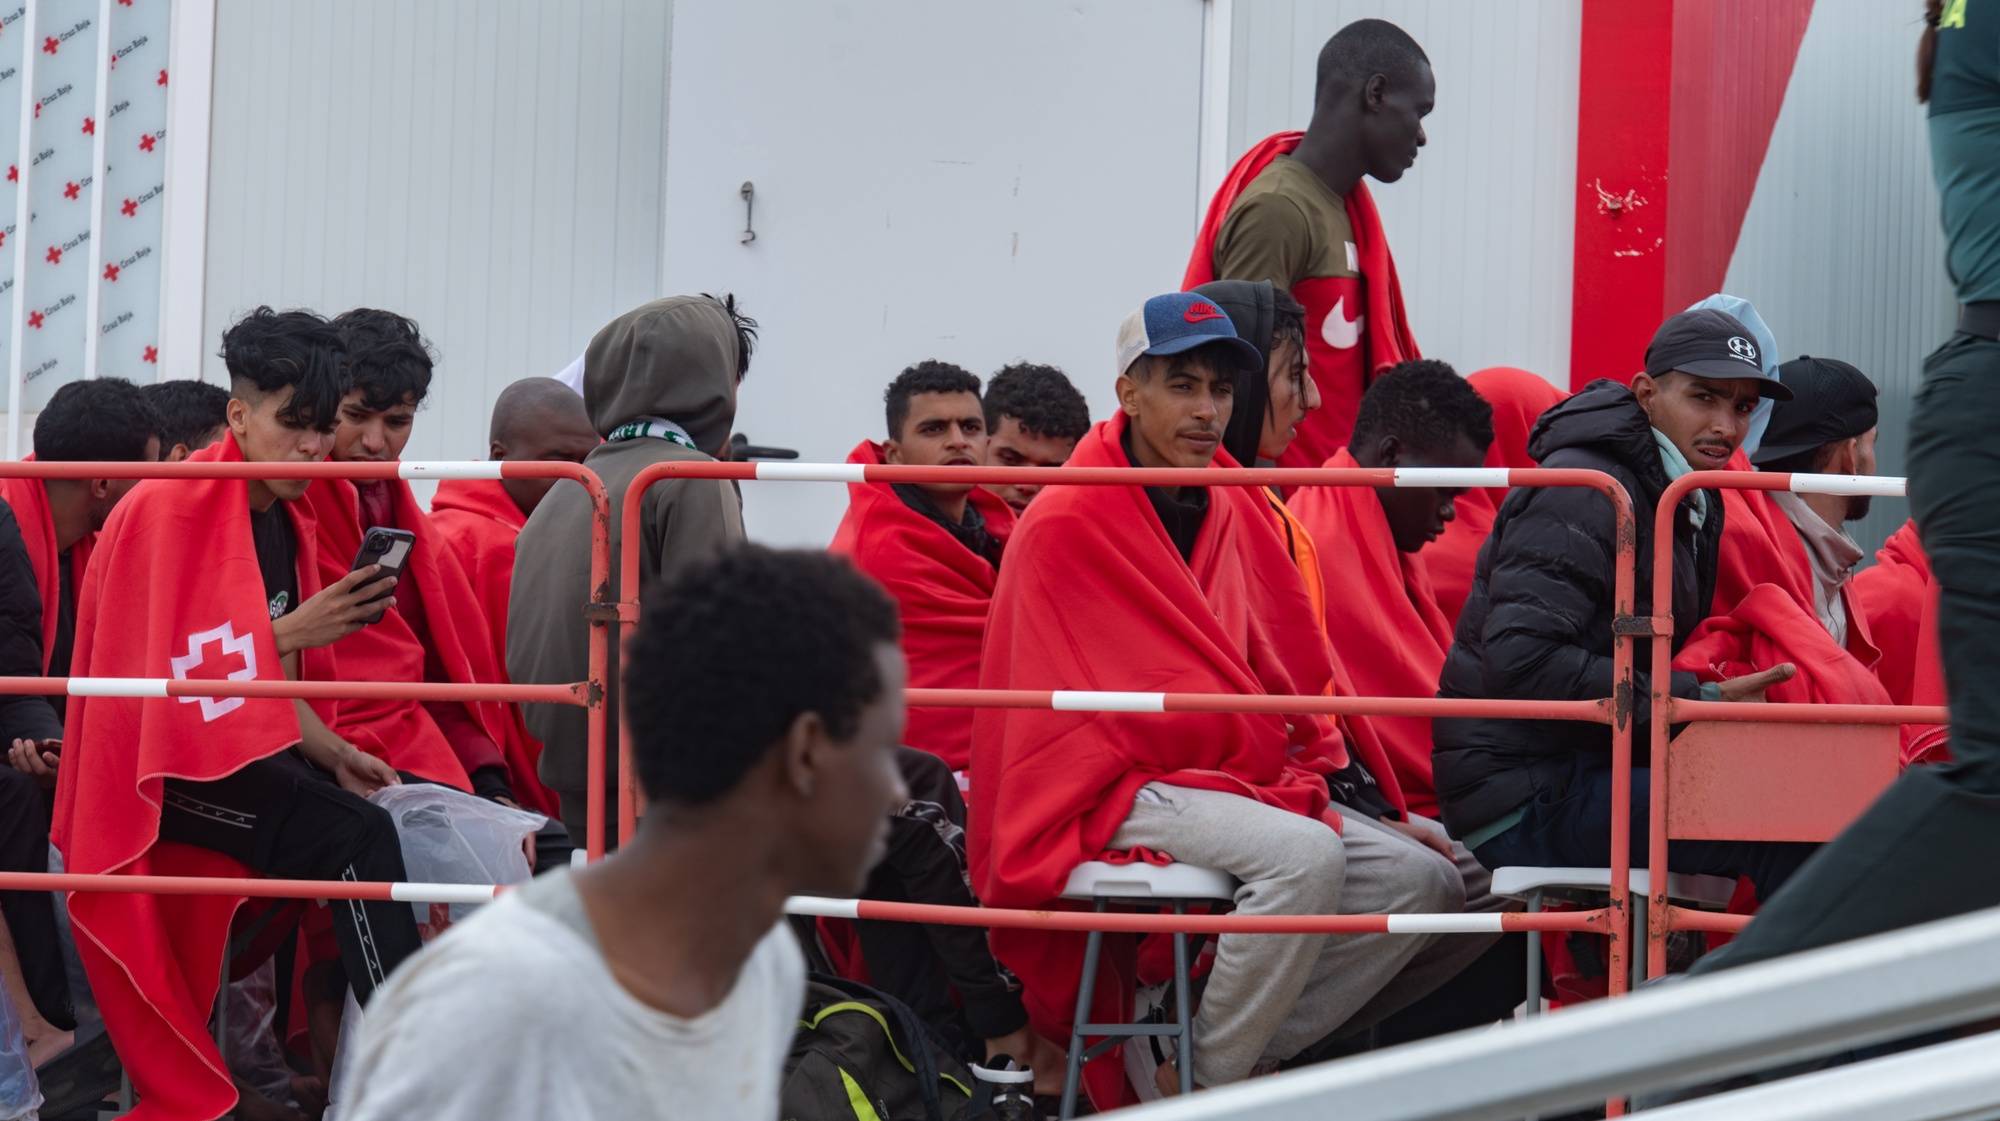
1340	332
1201	313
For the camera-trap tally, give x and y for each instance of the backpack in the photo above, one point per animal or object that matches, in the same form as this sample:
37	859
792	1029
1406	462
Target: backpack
862	1055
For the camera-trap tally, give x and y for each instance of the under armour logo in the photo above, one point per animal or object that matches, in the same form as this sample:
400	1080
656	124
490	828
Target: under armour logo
1743	348
229	644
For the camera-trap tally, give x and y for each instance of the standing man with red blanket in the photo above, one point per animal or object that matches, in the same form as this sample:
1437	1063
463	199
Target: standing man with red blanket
220	786
1385	623
436	632
1185	590
1294	211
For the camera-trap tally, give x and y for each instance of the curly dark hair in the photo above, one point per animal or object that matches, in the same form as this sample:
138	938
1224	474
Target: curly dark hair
1426	406
1040	398
733	650
928	376
268	351
746	332
387	357
97	418
188	411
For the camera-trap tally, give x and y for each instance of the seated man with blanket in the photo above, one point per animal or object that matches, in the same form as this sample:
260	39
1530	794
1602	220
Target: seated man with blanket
436	631
1386	623
1185	589
1034	417
193	414
218	580
936	549
1793	560
1538	625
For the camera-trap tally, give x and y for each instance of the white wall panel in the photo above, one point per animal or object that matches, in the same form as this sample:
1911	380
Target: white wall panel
974	182
491	168
1840	249
1483	225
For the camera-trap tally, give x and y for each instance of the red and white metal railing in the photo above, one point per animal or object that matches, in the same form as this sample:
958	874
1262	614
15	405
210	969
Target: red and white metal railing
1663	917
1611	921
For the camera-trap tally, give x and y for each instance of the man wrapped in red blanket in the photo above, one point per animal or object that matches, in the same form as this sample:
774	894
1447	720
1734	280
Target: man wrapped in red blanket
1183	590
219	785
1296	212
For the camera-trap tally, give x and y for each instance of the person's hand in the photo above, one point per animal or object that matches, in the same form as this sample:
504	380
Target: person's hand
1028	1048
361	773
336	611
1435	842
37	758
1751	686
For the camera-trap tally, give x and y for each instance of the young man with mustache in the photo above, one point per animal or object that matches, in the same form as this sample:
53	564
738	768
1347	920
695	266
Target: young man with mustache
1537	625
1034	417
1185	589
936	548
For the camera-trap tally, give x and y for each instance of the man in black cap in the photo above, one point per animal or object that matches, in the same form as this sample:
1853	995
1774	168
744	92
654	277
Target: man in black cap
1538	622
1926	848
1827	428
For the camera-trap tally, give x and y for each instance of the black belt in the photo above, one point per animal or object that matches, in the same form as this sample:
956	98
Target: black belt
1981	319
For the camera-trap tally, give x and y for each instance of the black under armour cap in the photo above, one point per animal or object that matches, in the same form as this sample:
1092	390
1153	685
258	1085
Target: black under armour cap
1831	401
1711	344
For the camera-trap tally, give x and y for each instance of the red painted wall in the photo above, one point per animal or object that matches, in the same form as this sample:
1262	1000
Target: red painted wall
1677	99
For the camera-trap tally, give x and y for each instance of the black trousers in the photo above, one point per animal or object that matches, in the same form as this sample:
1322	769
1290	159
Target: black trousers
1573	829
286	818
31	915
1927	849
924	965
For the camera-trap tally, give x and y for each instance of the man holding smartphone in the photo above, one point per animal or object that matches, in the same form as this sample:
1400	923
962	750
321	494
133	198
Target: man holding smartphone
218	580
435	631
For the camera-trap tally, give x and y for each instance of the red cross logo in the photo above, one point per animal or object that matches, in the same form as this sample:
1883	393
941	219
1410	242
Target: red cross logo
111	273
35	320
38	110
55	255
13	173
126	3
90	126
146	143
228	644
129	209
152	354
3	237
70	191
161	80
49	45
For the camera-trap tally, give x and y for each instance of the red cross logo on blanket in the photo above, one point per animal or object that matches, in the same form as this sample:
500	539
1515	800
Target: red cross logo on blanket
228	644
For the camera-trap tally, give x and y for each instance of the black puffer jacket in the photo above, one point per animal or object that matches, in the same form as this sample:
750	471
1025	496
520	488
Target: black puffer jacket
1537	625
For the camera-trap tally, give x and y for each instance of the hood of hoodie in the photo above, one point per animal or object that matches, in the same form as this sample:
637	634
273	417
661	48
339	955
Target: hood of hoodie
675	359
1605	418
1252	309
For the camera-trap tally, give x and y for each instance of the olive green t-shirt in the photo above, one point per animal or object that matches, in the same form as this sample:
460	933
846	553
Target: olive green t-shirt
1287	225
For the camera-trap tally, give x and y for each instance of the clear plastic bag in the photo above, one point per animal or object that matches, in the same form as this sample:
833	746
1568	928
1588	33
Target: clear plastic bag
250	1040
449	837
20	1094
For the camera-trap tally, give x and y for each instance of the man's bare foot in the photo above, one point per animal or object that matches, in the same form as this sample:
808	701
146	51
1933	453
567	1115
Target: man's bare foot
47	1042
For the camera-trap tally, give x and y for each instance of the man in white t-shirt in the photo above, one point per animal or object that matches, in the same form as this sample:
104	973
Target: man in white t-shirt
765	698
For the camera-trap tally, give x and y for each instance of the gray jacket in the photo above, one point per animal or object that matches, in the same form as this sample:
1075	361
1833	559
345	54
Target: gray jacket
676	360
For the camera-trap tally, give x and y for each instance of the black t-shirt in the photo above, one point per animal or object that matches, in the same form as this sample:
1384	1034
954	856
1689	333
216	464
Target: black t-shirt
1181	511
277	556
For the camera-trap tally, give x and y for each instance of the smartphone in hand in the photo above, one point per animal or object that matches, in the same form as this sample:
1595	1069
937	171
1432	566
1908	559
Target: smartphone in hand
389	548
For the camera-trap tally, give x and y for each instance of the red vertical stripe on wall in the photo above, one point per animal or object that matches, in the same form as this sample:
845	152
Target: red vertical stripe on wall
1623	109
1677	99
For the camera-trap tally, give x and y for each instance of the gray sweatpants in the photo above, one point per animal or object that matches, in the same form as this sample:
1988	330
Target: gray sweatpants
1270	996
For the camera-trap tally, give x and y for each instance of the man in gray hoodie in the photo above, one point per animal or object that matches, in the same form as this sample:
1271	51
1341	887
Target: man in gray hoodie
660	386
